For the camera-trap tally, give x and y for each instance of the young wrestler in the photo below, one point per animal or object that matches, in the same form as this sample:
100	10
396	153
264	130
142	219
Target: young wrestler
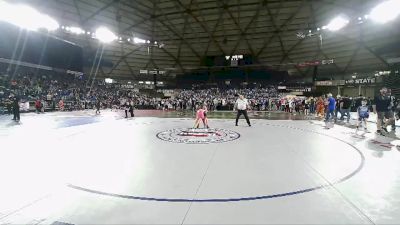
363	115
201	115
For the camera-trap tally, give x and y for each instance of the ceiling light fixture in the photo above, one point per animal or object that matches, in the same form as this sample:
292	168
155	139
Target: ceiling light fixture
386	11
337	24
104	35
26	17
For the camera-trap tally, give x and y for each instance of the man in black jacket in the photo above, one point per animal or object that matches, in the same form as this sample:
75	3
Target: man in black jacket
128	107
131	108
15	107
345	104
98	106
382	107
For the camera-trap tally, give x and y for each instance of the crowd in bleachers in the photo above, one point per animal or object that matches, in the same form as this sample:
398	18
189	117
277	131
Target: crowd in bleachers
74	93
68	92
218	99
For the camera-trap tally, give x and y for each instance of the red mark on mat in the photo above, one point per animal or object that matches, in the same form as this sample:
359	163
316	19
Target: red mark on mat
385	145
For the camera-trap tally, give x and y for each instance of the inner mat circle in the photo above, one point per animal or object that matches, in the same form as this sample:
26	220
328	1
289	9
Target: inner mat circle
270	160
198	136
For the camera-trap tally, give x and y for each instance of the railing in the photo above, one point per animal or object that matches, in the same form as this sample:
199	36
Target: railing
75	106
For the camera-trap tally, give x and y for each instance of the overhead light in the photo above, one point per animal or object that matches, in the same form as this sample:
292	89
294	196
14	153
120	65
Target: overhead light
129	39
49	23
324	27
76	30
318	29
26	17
148	41
366	17
105	35
67	28
359	18
138	40
354	77
385	11
337	24
309	31
88	32
108	80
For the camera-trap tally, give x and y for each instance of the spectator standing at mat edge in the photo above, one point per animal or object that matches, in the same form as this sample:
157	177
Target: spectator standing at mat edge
381	107
331	103
345	105
241	106
338	109
128	108
392	108
15	106
98	106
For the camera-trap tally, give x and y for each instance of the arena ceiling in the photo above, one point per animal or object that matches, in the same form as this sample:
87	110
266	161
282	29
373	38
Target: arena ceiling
193	29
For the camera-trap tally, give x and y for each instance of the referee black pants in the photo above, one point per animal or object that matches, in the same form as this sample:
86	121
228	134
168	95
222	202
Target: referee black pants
126	113
16	115
244	112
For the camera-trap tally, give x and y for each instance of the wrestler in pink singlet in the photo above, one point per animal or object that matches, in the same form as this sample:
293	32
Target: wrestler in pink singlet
200	114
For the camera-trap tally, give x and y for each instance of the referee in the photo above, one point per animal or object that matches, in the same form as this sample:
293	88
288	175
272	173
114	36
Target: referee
15	106
128	108
241	106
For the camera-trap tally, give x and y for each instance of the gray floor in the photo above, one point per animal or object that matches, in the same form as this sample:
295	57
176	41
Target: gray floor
77	168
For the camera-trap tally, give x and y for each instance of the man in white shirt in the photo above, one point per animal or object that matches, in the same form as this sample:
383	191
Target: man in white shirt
241	106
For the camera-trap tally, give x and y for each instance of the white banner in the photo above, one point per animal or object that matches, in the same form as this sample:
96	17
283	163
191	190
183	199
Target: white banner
361	81
324	83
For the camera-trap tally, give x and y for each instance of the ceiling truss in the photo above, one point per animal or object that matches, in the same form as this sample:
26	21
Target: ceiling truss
194	29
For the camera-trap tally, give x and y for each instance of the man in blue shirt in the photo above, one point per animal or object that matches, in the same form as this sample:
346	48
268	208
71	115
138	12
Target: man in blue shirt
330	112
